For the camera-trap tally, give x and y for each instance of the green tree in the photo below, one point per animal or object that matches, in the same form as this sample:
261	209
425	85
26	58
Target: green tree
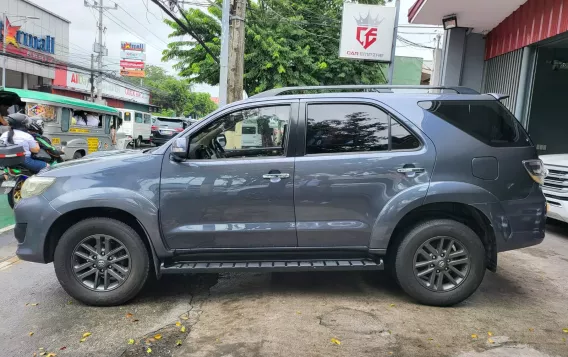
174	95
288	42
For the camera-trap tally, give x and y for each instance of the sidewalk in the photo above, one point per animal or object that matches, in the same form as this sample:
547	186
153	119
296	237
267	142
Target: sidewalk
6	213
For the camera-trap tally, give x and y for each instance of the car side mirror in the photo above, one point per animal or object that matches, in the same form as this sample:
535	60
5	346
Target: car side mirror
179	149
222	140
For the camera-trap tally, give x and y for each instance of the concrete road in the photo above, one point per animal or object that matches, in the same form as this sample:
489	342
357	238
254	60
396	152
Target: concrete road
519	311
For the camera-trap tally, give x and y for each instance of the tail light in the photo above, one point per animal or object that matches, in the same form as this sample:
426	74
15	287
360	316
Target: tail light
536	170
179	130
154	128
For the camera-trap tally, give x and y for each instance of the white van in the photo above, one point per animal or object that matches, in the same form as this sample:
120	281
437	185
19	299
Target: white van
137	125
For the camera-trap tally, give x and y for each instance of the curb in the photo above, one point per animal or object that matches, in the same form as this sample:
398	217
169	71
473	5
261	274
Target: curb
7	228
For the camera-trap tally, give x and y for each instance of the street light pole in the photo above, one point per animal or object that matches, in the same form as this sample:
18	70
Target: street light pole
4	49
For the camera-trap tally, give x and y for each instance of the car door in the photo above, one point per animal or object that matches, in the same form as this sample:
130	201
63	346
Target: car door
234	197
350	167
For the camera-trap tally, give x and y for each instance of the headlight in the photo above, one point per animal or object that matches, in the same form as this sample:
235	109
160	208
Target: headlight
36	185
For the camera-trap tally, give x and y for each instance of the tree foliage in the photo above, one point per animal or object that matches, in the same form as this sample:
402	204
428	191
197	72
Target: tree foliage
288	43
174	95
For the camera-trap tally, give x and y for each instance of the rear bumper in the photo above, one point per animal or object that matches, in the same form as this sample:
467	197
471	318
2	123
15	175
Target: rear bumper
522	222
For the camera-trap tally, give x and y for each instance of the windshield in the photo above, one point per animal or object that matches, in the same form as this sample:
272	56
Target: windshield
169	123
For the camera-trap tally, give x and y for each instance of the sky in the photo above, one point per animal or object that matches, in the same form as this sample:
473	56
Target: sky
142	21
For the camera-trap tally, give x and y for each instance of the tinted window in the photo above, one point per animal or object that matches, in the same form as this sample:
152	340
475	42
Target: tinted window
249	130
147	118
487	121
169	123
138	117
402	139
337	128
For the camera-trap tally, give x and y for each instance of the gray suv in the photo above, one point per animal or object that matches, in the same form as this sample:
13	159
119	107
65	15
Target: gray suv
429	183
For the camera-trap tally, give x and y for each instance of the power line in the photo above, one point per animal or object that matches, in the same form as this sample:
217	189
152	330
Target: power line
150	31
122	25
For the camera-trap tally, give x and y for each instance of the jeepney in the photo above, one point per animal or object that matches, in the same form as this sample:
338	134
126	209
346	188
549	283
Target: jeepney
75	126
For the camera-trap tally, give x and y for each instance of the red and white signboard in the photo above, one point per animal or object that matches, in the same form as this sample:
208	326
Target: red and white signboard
132	64
367	32
77	81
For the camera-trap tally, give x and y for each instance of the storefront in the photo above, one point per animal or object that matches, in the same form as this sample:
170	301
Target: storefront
116	93
35	40
516	47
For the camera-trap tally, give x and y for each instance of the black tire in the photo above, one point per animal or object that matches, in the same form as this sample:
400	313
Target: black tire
11	199
138	142
10	196
78	155
139	268
407	251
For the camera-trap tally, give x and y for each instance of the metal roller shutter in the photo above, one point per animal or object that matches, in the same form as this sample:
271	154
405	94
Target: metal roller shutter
502	75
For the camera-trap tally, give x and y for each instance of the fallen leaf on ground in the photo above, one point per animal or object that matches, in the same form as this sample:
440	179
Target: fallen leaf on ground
157	336
489	333
128	315
43	353
135	320
178	324
63	348
565	330
490	340
131	341
41	348
392	305
430	339
32	304
51	354
336	341
391	352
83	340
69	302
35	354
182	329
31	333
563	339
473	335
86	334
531	329
178	343
149	350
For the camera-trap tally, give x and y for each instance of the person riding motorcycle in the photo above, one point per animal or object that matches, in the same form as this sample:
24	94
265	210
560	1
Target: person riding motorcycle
35	129
18	135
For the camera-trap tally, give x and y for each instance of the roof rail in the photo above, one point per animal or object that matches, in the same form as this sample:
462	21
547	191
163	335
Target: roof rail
371	87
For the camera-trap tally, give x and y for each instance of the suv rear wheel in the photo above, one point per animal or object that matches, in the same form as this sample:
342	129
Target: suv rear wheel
101	261
440	262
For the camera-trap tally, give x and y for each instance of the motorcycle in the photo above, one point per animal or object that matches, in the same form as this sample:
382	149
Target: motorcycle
14	174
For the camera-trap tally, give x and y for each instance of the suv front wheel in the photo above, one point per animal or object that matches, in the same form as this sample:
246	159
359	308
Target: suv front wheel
440	262
101	261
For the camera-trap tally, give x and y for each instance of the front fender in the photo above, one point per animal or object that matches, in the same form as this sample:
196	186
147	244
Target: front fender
129	201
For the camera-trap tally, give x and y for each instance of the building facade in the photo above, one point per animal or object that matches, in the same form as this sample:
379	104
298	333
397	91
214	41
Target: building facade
33	46
514	47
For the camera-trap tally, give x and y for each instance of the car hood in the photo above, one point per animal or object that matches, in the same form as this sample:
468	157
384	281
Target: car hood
108	158
555	160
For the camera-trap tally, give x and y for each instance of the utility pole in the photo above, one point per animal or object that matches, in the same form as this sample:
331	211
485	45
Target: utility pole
435	76
394	37
92	80
224	59
236	52
98	47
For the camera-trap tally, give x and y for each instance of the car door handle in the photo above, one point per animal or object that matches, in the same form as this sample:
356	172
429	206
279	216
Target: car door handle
406	170
271	176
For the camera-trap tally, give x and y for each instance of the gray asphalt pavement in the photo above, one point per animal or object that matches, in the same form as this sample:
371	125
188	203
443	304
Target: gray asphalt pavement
519	311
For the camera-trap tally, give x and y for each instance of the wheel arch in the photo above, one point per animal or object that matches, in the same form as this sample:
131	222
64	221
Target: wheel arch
471	216
68	219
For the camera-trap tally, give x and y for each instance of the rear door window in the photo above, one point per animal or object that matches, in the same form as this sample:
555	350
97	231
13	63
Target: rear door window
486	120
169	123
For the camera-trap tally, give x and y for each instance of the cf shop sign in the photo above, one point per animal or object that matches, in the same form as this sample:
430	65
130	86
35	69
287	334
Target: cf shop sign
366	32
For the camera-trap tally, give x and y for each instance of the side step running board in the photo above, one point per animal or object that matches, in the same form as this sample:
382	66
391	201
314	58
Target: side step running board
276	266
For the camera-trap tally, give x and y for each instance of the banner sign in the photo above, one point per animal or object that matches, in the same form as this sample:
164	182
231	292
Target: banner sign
132	59
367	32
132	64
132	46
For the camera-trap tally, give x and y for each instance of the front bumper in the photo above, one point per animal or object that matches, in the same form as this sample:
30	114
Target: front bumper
34	217
558	206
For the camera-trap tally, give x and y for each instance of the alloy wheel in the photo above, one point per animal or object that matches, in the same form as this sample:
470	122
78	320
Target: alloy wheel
441	264
101	262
